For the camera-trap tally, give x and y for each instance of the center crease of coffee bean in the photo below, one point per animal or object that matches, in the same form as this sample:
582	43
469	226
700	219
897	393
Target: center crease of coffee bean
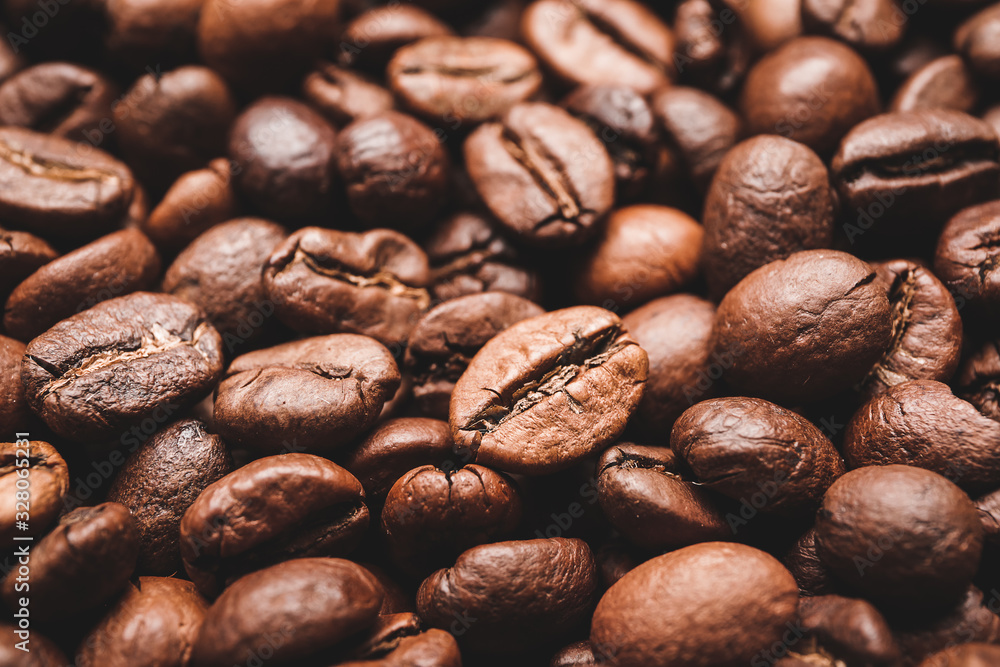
381	279
486	75
36	166
540	165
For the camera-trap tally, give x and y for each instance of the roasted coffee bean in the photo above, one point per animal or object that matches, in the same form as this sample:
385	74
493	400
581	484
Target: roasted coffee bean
871	25
458	80
300	608
601	41
14	411
54	188
921	423
274	508
643	252
623	120
977	40
82	563
48	481
468	255
812	576
195	202
915	51
573	371
971	620
371	39
431	514
919	165
926	328
283	159
968	257
220	272
978	380
136	357
114	265
769	198
943	83
812	90
646	498
744	447
580	654
316	394
901	536
522	593
542	173
41	651
160	480
343	95
446	339
976	654
325	281
802	328
21	254
61	99
674	331
396	601
395	170
174	122
153	624
396	639
744	599
849	629
161	31
712	50
699	127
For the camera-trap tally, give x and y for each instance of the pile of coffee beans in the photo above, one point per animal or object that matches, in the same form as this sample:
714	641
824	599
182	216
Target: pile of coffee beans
548	333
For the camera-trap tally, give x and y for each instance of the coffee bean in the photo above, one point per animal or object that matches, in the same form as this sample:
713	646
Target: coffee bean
316	394
943	83
140	32
967	257
580	654
112	266
575	371
48	479
195	202
21	254
870	25
971	620
542	173
712	50
123	362
978	380
373	37
457	80
968	655
343	95
976	40
14	413
644	618
811	574
852	630
397	639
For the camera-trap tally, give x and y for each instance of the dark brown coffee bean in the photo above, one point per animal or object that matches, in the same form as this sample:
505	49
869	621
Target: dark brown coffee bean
645	497
921	423
848	629
396	639
82	563
674	331
812	90
943	83
712	50
542	173
920	165
700	129
971	620
14	411
161	31
195	202
48	481
153	624
344	96
811	575
131	358
371	39
160	480
21	254
431	514
398	446
42	651
58	188
976	654
978	380
711	603
802	328
742	447
623	120
458	80
870	25
967	259
770	23
601	41
901	536
283	159
575	370
580	654
395	169
468	255
325	281
446	339
644	251
316	394
521	593
61	99
111	266
926	328
220	272
173	122
770	197
977	40
300	608
270	510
